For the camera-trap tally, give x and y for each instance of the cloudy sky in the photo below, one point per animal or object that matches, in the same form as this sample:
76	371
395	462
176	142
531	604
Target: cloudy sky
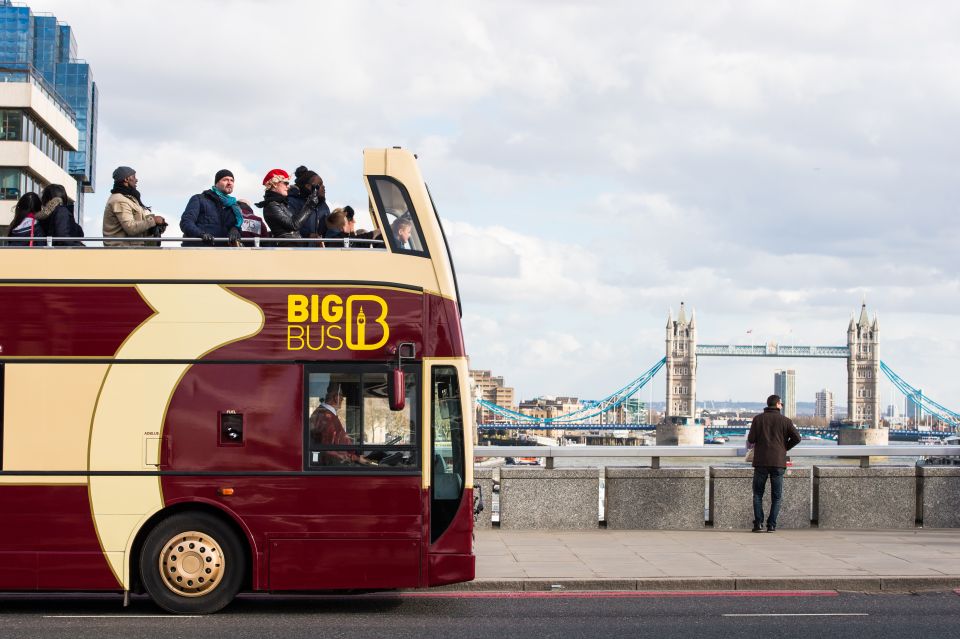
771	164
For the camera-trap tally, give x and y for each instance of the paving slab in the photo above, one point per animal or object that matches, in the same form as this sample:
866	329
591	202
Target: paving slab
717	560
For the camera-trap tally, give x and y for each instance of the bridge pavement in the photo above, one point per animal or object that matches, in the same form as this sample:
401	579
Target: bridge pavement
869	560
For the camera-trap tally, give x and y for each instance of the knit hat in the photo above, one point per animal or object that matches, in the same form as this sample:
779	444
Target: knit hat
276	175
121	173
222	173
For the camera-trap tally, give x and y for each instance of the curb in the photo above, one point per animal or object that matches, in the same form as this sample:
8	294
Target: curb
728	584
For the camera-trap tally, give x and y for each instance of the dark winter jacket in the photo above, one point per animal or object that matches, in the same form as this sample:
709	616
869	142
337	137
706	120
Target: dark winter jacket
205	213
315	222
283	220
773	435
57	220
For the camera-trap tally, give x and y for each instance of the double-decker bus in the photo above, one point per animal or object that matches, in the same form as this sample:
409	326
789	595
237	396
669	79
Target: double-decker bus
192	422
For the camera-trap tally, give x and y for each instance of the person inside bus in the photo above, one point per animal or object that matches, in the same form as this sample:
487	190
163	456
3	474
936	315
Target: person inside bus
25	224
213	213
402	229
57	217
125	215
305	183
284	220
326	429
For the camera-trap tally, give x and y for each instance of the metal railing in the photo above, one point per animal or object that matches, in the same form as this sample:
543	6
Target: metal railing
655	453
218	242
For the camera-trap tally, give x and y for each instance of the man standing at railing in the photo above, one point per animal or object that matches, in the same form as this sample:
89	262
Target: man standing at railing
125	214
772	435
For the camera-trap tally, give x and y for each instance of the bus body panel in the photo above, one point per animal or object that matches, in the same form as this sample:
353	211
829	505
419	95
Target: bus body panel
366	510
55	320
48	541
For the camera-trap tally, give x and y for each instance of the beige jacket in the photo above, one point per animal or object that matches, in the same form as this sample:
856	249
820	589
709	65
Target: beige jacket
124	217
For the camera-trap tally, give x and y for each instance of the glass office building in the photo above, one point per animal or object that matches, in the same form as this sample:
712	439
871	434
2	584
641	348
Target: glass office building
38	48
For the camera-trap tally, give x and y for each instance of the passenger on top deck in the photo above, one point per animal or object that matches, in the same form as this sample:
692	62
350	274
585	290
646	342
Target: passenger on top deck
253	225
308	182
213	213
284	221
125	214
25	224
352	232
402	229
57	216
335	227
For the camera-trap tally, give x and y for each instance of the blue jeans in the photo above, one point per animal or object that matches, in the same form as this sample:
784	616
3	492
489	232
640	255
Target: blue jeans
760	474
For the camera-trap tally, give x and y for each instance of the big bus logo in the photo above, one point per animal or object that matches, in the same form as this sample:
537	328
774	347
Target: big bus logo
329	323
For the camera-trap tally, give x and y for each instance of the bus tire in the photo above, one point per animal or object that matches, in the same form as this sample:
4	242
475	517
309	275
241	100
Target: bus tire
192	563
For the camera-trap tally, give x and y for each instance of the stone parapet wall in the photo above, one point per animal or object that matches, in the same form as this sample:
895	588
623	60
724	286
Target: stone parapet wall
938	496
731	498
875	497
532	498
654	498
643	498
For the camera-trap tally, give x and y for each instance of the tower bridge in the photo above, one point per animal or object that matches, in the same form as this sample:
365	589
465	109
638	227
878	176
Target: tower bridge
862	353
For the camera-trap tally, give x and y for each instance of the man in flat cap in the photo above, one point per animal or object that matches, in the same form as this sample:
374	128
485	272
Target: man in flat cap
125	214
214	213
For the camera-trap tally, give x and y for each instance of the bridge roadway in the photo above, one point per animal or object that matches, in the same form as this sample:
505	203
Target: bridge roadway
895	434
476	615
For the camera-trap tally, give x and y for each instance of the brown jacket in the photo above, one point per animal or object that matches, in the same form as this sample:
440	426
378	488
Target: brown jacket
124	217
773	434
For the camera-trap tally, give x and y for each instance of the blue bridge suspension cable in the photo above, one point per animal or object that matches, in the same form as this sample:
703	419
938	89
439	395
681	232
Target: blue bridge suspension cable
936	409
606	404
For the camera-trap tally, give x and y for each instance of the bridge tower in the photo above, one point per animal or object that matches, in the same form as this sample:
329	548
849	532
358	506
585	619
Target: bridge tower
681	365
863	370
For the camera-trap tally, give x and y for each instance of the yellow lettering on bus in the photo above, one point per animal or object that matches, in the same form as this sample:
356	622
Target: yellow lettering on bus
357	322
332	309
298	308
331	337
295	336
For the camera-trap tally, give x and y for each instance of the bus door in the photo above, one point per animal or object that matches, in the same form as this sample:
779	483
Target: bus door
448	466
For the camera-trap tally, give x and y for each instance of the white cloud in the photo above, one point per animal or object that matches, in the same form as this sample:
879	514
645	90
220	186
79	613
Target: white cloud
768	163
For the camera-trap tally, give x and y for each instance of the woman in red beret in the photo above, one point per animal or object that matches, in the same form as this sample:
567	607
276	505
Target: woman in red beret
282	219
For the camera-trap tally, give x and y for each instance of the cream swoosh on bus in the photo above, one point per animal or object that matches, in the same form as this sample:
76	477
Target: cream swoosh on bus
189	321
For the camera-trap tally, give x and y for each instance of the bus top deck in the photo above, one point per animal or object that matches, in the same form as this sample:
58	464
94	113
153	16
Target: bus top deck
395	188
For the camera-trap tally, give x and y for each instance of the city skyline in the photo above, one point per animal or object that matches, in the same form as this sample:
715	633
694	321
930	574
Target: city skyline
770	166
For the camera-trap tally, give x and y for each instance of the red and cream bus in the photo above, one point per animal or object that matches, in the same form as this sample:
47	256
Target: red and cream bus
192	422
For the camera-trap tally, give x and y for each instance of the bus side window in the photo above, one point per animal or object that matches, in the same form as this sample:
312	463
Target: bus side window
398	217
350	422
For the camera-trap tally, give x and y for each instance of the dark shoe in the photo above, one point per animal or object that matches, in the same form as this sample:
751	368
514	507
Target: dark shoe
757	528
771	528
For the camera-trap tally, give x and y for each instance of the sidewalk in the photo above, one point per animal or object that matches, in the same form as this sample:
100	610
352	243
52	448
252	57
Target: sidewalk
862	560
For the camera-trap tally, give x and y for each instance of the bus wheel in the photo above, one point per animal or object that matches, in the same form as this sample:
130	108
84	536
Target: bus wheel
192	563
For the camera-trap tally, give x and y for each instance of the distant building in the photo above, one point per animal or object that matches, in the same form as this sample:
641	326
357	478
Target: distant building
824	407
632	411
785	385
48	108
914	409
491	388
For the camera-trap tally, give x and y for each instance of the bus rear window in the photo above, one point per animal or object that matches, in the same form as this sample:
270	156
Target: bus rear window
398	217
